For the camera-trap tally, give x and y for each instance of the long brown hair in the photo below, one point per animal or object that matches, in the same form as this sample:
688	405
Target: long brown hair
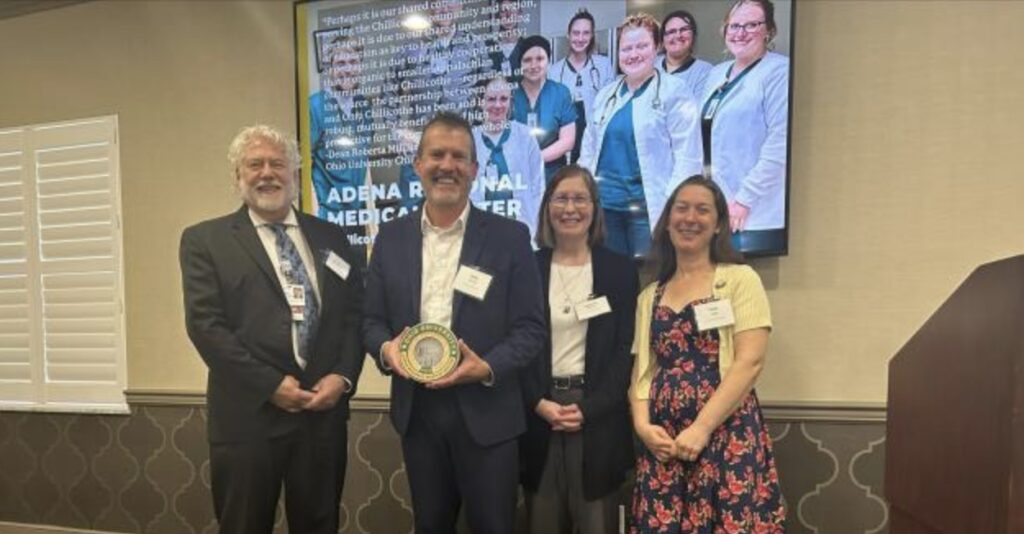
662	260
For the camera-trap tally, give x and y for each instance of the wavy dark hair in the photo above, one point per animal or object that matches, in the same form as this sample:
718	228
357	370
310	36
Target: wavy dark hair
662	260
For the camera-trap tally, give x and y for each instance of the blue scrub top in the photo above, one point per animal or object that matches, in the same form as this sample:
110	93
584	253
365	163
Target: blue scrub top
618	165
339	148
554	109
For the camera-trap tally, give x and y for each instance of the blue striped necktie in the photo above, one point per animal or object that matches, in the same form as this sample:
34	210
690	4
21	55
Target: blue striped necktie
294	271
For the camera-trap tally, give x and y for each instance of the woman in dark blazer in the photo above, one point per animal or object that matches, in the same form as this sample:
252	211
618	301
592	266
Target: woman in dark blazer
579	442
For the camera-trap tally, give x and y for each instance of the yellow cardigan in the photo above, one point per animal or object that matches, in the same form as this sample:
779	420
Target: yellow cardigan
738	283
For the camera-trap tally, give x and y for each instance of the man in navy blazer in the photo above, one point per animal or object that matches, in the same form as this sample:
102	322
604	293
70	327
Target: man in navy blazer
277	390
458	433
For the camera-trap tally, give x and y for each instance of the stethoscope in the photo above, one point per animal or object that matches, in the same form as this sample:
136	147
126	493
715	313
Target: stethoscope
595	76
613	101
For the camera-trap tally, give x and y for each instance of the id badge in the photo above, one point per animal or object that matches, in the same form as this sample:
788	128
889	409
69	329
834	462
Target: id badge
712	108
592	307
472	282
531	120
296	295
714	314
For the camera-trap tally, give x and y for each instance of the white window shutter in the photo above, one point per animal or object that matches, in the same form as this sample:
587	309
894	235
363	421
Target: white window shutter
67	267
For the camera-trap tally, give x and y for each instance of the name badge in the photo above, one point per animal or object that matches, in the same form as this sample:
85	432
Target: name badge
591	308
339	266
296	295
715	314
472	282
712	107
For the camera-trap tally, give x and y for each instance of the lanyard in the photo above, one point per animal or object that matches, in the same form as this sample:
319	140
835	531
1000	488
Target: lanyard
594	75
714	102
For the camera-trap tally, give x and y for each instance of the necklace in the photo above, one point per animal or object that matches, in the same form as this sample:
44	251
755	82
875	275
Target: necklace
566	287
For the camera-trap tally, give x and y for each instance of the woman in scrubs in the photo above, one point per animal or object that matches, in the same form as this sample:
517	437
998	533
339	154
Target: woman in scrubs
744	122
641	140
679	33
583	71
510	176
545	106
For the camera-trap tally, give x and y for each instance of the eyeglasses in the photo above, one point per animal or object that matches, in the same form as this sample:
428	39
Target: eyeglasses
678	31
578	200
747	28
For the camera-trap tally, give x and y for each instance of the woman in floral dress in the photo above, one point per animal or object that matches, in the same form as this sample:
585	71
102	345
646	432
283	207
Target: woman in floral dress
702	329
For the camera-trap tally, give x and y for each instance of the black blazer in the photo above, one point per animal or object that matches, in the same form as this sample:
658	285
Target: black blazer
607	431
239	321
506	329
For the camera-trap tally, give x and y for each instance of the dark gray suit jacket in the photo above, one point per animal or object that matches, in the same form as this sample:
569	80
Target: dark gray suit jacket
239	321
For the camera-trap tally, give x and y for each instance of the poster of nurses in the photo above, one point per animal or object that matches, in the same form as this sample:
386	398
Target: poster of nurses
644	94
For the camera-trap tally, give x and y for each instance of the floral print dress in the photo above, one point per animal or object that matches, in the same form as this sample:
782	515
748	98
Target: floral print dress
733	486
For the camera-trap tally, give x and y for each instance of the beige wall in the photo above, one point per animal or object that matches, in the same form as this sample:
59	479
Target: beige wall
904	173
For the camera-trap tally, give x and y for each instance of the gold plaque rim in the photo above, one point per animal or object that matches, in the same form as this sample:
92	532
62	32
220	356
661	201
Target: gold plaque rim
450	351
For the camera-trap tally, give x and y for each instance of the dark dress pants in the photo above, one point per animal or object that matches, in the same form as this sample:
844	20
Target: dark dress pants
246	479
447	468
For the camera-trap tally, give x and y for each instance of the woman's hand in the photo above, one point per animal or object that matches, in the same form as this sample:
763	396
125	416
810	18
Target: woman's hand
657	440
567	418
738	216
691	441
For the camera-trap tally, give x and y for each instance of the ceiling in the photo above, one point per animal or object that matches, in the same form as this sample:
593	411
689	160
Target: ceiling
16	8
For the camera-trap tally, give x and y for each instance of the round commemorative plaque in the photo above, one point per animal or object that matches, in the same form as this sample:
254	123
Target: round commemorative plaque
429	351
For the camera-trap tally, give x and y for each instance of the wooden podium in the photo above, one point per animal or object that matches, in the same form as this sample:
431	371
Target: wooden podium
955	428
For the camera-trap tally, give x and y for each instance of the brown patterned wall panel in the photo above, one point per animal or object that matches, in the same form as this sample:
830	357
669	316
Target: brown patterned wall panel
148	472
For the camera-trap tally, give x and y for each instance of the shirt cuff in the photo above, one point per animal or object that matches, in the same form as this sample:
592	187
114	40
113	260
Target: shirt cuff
380	357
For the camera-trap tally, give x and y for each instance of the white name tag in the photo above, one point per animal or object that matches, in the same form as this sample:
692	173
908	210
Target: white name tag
472	282
338	265
296	296
715	314
594	307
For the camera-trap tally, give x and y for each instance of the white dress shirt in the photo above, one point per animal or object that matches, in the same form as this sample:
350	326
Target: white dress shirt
442	248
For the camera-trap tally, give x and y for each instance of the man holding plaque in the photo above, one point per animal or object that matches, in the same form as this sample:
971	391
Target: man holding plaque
452	266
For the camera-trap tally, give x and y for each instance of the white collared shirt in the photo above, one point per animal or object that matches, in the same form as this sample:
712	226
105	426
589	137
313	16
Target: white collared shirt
442	248
269	241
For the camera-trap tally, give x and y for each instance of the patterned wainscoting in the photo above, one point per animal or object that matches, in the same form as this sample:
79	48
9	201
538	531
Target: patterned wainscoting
149	471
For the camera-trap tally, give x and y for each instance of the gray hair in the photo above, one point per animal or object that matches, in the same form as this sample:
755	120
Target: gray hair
250	135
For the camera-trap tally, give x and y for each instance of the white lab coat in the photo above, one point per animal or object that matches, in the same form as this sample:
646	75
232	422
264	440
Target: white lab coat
525	166
597	73
695	76
667	138
748	139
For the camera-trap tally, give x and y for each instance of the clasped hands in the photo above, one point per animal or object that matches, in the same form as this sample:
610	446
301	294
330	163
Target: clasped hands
687	446
324	395
563	418
471	369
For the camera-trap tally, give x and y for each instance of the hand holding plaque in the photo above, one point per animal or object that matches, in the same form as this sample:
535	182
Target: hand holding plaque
428	352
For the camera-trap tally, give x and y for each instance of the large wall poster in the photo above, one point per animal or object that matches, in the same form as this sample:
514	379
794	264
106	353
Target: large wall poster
371	74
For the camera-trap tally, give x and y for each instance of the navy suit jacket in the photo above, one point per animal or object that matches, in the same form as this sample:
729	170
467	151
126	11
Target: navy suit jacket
506	329
238	319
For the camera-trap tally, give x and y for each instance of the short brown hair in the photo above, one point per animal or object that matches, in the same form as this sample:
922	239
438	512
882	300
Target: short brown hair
595	234
452	121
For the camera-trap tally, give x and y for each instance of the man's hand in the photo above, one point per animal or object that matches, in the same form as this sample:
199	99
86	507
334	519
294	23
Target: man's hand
571	418
326	392
290	396
392	357
471	369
